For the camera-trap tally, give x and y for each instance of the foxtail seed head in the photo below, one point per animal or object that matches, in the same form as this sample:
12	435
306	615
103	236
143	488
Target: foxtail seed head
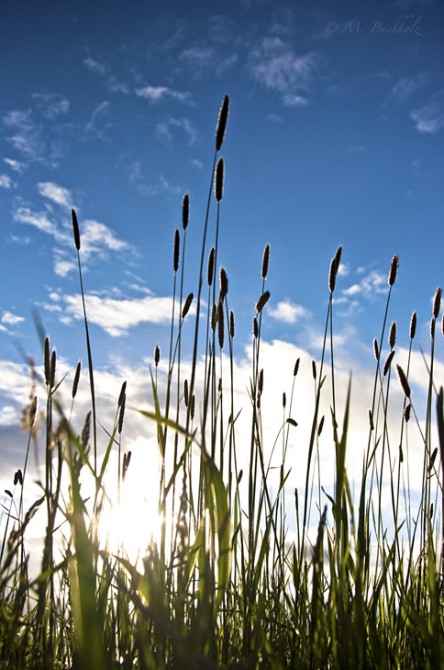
412	331
156	355
220	323
176	251
219	181
210	266
223	283
388	362
296	367
437	303
185	211
403	381
122	395
392	335
334	267
255	328
222	122
376	349
187	305
265	297
265	261
47	361
393	270
231	324
75	384
75	228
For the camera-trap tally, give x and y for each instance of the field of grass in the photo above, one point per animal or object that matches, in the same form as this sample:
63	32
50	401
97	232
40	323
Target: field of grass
226	583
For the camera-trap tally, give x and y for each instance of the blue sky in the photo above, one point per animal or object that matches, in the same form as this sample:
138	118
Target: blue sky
335	136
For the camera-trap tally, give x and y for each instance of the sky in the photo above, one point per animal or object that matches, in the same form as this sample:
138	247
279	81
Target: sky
334	137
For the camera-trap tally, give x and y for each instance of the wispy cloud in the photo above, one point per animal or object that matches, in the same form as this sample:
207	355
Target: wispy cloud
34	141
6	181
371	284
14	165
161	93
430	118
98	125
164	129
275	65
51	105
406	87
141	182
288	312
97	239
58	194
103	70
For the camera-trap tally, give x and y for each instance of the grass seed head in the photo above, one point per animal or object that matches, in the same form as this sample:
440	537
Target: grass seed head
222	122
219	181
223	279
255	328
296	367
75	228
121	415
75	384
392	335
231	324
412	330
187	305
185	211
47	360
176	251
122	395
220	323
403	381
265	297
53	368
186	396
156	355
437	303
314	370
393	270
210	266
388	362
265	261
334	267
376	349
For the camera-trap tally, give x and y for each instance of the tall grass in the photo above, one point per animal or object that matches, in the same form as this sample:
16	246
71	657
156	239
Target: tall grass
228	583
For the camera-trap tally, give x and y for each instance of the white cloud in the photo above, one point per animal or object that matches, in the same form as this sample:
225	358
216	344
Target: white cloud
275	65
39	221
51	105
58	194
5	181
11	319
116	316
373	283
163	129
95	66
26	137
34	141
429	118
288	312
96	238
160	93
405	87
96	125
14	165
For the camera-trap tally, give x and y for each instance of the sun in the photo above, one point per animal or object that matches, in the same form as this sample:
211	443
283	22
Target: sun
129	520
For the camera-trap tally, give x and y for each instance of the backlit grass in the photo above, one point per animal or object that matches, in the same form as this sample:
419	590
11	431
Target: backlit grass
227	581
